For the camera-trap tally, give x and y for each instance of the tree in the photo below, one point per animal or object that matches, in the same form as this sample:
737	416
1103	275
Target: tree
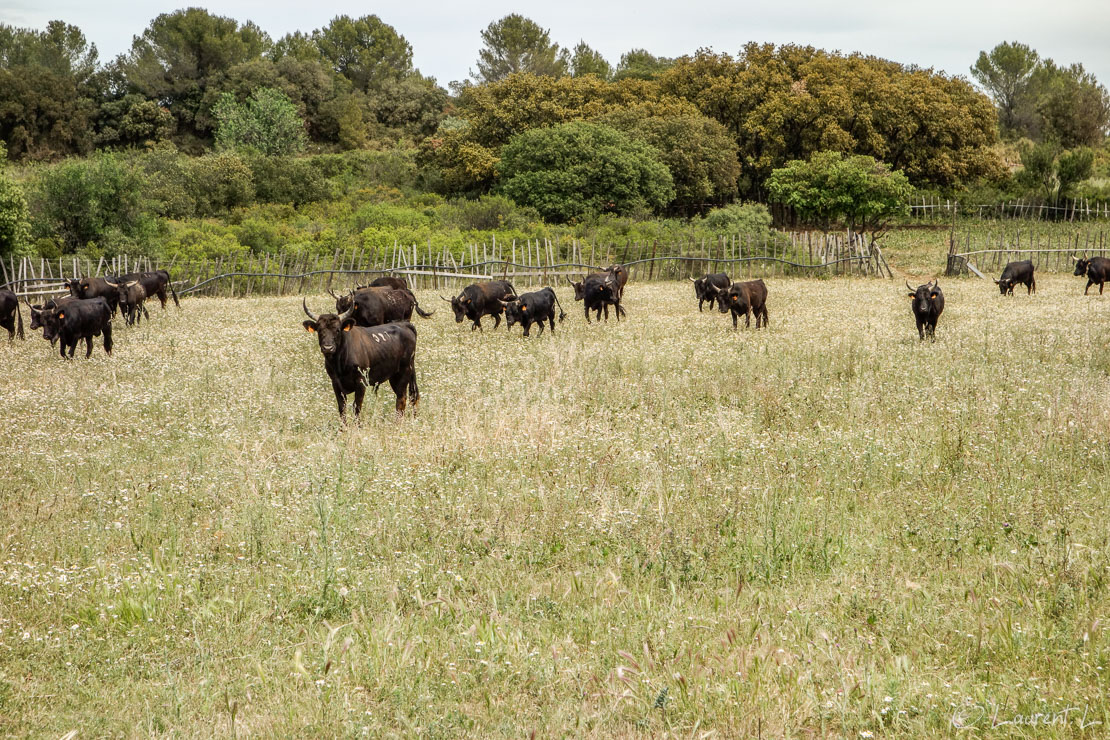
1052	172
1074	107
830	188
181	54
578	169
787	103
15	231
639	64
697	150
267	123
1006	73
586	61
48	90
517	44
366	51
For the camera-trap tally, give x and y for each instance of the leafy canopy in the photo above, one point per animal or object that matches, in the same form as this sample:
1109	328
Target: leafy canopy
267	123
577	170
831	188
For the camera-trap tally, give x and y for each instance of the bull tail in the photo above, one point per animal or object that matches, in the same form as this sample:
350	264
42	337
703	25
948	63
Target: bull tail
423	314
174	294
562	313
18	321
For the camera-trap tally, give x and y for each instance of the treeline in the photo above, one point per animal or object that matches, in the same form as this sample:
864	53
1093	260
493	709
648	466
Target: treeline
207	122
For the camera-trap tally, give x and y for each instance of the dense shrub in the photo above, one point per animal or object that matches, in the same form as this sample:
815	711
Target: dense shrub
576	170
739	218
15	231
288	180
99	199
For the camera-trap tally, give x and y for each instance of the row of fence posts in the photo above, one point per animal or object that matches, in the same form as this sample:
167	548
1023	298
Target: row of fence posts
528	262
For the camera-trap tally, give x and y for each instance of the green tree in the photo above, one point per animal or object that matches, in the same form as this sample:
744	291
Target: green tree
1052	172
15	230
267	123
577	170
1074	107
180	55
586	61
516	44
1006	73
640	64
366	51
830	188
698	151
48	90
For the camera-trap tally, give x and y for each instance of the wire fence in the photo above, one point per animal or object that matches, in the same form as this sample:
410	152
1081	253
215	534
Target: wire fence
527	264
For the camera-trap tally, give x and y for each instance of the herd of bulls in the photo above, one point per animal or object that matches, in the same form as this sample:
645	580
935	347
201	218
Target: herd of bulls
370	338
87	311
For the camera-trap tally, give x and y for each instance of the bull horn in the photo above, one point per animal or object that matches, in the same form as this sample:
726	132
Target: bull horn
133	282
909	287
346	314
997	282
304	302
1074	258
692	280
446	299
333	295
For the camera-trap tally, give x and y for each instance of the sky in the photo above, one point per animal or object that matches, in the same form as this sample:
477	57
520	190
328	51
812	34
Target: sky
942	34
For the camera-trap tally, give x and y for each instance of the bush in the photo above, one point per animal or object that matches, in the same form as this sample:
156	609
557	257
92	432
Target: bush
15	230
739	218
486	213
577	170
202	241
289	180
99	199
221	182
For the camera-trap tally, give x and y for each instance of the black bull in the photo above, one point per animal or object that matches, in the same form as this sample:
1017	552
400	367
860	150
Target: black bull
76	320
709	287
535	307
357	356
745	299
1097	270
376	306
597	292
1017	273
928	303
10	317
482	299
155	283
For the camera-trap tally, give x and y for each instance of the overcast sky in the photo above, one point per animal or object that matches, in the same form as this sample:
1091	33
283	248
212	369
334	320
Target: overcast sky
944	34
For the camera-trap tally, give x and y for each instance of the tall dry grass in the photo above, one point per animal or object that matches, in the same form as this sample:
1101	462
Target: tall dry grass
658	527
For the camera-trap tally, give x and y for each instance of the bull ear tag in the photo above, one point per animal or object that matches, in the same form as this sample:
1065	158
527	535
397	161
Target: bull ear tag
61	314
347	327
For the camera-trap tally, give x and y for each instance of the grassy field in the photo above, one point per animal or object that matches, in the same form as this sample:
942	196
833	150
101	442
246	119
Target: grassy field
654	528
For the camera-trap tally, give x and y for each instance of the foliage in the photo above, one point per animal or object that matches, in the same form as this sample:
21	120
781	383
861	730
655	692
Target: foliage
829	188
292	180
639	64
1054	173
739	218
515	44
787	103
366	51
1074	107
575	170
586	61
1006	73
97	200
698	151
181	54
15	231
266	123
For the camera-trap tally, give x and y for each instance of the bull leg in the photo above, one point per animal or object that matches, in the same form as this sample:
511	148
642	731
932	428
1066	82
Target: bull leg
765	317
360	392
147	313
477	324
72	347
735	320
497	321
108	339
1032	287
88	347
700	301
162	297
340	400
540	324
1089	284
527	327
587	314
748	320
400	384
921	329
1100	288
551	318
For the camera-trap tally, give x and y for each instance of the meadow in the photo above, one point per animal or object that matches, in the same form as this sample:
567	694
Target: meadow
653	528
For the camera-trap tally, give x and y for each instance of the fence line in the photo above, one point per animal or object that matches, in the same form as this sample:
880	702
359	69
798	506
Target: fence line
1048	252
533	262
1072	209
